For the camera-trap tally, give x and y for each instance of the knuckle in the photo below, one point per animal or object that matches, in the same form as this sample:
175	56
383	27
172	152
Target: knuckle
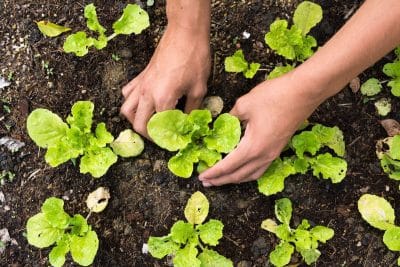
125	110
240	106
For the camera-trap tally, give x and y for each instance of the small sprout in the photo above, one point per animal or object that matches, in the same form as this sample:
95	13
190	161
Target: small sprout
51	29
392	127
237	63
355	85
383	106
214	104
128	144
97	201
115	57
371	87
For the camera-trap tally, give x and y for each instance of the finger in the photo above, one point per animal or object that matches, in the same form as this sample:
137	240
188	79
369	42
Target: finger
236	159
144	111
128	88
195	97
128	109
165	103
248	172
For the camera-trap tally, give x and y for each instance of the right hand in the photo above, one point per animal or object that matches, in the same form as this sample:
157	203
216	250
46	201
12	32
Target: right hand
180	66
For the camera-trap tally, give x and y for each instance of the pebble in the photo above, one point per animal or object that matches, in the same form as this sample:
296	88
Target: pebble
259	247
244	264
125	53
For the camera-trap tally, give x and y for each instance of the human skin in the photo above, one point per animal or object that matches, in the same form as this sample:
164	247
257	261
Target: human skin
274	109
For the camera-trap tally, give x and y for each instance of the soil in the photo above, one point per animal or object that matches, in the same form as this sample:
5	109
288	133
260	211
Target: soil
146	198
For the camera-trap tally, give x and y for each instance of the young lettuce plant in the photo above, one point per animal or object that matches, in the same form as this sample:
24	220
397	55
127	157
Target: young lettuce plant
388	152
65	141
306	146
191	136
69	234
133	20
237	63
185	238
378	212
303	239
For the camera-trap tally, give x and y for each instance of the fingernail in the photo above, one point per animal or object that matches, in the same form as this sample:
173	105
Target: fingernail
206	184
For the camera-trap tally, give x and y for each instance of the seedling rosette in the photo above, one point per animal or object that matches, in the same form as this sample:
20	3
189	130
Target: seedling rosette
185	238
191	136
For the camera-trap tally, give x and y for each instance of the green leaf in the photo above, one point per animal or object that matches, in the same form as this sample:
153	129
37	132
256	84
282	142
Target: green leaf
283	210
92	20
236	62
376	211
182	163
60	153
329	167
97	161
371	87
78	43
307	15
103	136
301	165
305	225
302	239
196	209
79	225
128	144
391	238
53	210
170	129
331	137
282	254
283	232
45	128
82	116
51	29
322	233
394	147
225	134
395	87
252	70
181	231
200	120
211	258
159	247
40	233
209	157
279	71
269	225
283	40
383	106
306	141
211	232
57	254
392	69
187	257
391	167
305	50
84	249
133	20
310	255
272	181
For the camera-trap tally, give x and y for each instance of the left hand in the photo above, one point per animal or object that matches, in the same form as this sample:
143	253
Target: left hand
272	112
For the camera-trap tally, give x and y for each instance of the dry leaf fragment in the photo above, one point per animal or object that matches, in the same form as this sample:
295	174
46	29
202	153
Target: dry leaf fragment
97	200
355	85
391	126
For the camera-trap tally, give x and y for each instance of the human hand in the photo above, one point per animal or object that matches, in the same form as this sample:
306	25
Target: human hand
180	66
272	112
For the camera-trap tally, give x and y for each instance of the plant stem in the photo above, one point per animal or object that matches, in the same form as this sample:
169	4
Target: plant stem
111	36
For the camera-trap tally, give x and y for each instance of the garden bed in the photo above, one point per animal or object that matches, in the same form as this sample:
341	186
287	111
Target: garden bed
146	199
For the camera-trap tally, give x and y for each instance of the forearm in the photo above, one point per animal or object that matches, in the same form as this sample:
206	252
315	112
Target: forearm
369	35
192	16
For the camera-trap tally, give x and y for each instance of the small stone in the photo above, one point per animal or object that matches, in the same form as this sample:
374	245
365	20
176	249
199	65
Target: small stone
214	104
246	35
259	247
244	264
359	244
387	188
355	85
242	204
125	53
392	127
50	85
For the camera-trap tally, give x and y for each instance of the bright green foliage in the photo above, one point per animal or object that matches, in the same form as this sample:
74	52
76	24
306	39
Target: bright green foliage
133	20
388	151
371	87
128	144
383	106
69	141
237	63
279	71
185	238
53	226
191	136
51	29
294	43
393	71
378	212
302	239
306	146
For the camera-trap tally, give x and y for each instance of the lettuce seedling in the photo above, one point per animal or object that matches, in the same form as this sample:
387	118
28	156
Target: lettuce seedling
302	239
191	136
388	151
393	71
378	212
185	238
306	146
53	226
133	20
237	63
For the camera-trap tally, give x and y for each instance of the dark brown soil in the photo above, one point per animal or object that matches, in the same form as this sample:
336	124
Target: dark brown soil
146	197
